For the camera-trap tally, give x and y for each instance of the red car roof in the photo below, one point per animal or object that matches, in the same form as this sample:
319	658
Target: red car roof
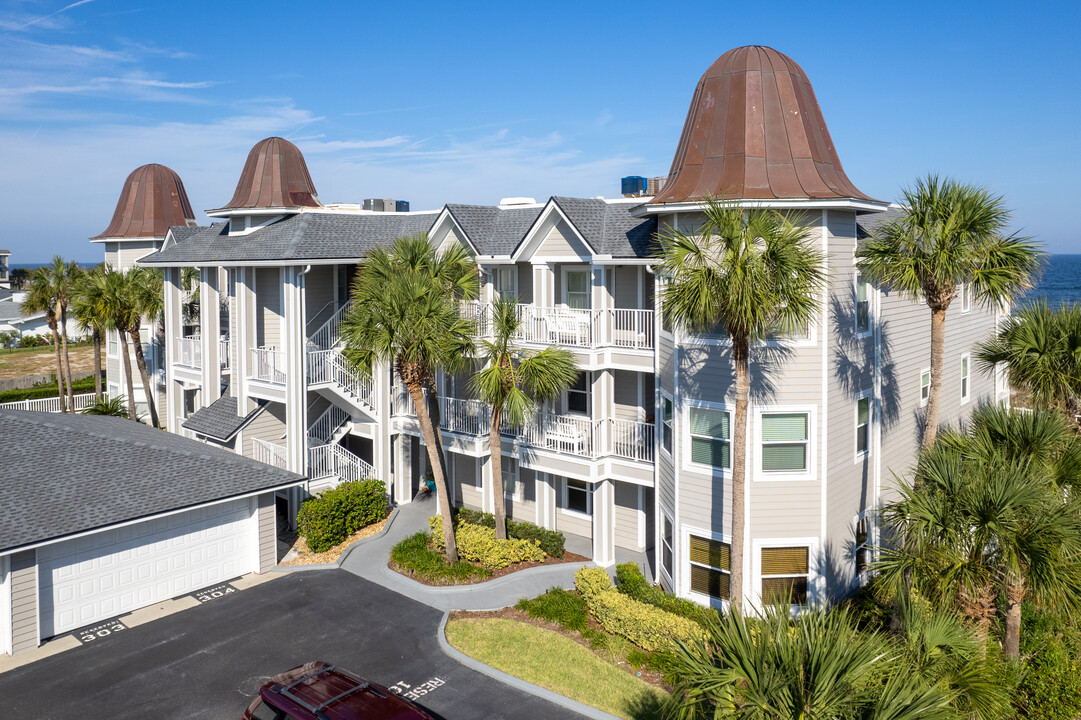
320	691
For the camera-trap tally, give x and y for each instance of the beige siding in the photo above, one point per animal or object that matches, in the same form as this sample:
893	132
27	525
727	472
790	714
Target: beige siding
268	288
625	404
573	523
561	241
468	490
268	535
319	295
269	426
627	516
525	283
526	507
128	252
24	601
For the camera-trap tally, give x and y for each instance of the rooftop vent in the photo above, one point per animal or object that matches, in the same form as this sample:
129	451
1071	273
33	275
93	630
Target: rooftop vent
518	201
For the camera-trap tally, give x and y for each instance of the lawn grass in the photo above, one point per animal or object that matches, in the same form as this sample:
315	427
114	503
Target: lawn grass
414	557
553	661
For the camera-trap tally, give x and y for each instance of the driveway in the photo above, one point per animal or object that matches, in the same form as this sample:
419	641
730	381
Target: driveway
209	661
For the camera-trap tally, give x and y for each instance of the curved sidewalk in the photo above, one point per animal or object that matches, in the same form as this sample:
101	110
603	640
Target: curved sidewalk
368	559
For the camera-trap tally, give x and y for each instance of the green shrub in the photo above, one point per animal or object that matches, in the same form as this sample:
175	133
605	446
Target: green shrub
647	627
551	541
329	519
479	544
414	556
46	390
558	606
1049	681
631	582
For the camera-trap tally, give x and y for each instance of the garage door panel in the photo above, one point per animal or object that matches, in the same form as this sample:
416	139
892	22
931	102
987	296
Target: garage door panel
131	567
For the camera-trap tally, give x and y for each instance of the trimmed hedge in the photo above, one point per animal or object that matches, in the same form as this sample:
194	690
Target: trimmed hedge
479	544
647	627
631	582
551	541
413	557
47	390
330	518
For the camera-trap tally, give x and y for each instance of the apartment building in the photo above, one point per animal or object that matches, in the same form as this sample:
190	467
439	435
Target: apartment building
636	454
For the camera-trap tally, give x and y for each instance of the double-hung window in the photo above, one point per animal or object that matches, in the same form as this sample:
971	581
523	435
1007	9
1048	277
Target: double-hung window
785	571
710	567
710	437
966	363
509	472
925	386
666	545
863	425
666	424
578	395
576	291
965	291
785	437
863	305
506	281
577	497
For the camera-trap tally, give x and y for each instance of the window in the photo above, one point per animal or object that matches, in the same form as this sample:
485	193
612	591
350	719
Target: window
863	305
509	472
925	386
576	288
784	575
112	343
965	291
710	567
578	395
666	424
710	435
666	545
506	281
576	496
862	545
784	442
965	364
863	425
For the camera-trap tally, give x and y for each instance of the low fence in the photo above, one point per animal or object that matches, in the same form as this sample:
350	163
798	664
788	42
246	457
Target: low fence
52	404
28	381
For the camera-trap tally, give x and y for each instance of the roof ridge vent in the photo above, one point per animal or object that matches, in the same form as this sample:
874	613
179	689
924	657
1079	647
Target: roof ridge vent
513	201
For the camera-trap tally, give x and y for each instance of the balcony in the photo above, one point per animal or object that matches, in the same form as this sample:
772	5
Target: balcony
268	453
223	352
627	329
189	352
268	365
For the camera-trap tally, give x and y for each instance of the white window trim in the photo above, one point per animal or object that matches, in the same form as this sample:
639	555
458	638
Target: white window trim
576	267
813	573
685	434
588	514
964	290
496	272
683	562
923	401
863	456
515	496
855	307
966	382
588	375
665	515
660	424
810	474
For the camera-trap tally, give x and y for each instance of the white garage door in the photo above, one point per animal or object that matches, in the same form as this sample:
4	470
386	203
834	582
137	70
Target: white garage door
113	572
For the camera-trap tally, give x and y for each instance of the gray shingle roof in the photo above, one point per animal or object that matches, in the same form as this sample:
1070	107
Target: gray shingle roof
302	237
83	472
867	224
494	230
609	228
219	419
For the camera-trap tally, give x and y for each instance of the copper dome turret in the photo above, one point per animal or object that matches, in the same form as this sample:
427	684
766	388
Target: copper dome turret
152	201
754	131
275	176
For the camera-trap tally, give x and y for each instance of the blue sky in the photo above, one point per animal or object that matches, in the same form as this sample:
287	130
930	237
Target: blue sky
470	102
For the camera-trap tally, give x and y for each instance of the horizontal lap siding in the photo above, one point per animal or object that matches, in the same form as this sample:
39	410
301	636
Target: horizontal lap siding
268	287
626	287
561	242
268	426
319	295
625	396
268	536
627	516
24	601
465	478
525	283
526	508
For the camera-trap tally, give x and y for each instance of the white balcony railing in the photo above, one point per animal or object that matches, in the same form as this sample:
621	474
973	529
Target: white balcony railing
469	417
189	352
322	430
326	336
268	365
562	433
328	367
52	404
560	325
631	439
335	461
223	353
631	328
268	453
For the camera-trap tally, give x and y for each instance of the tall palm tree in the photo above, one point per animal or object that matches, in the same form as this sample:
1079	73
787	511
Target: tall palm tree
751	272
406	311
65	278
87	304
1041	347
511	382
145	299
115	304
41	297
950	234
988	514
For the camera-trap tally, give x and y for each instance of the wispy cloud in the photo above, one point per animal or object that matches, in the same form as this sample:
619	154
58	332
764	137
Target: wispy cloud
315	146
387	110
64	9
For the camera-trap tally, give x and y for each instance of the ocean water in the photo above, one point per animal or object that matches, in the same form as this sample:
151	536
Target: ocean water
1060	283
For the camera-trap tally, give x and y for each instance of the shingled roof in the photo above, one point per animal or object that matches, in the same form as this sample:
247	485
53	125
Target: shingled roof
219	419
609	227
99	471
494	230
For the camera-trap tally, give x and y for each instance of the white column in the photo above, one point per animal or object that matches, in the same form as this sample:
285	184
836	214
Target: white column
403	470
603	392
296	386
604	531
245	338
174	400
210	330
381	449
601	302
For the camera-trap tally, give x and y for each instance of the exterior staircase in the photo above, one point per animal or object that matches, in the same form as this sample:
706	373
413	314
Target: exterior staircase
327	369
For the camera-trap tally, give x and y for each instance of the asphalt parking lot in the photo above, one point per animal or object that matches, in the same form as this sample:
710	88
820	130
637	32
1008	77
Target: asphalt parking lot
209	661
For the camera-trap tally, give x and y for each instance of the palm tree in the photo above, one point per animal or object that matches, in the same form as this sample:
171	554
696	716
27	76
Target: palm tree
511	382
145	299
41	297
87	304
950	234
1041	347
65	279
751	272
115	407
115	304
988	514
189	283
405	311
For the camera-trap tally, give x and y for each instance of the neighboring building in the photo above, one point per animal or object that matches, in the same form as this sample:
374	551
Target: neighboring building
152	200
106	516
654	185
635	455
5	269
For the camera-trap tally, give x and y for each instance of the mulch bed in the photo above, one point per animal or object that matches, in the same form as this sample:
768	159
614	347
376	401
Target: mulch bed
568	557
307	557
512	613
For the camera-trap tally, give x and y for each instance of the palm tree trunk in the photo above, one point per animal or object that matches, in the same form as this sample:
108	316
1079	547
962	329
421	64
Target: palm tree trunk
938	347
436	417
67	357
1015	593
740	354
137	342
416	392
127	374
59	367
97	364
495	449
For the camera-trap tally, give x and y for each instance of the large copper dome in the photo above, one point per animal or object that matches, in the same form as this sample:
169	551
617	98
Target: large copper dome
275	176
152	201
754	131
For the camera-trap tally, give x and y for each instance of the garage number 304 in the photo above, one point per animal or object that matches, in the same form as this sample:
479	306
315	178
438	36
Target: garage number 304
414	692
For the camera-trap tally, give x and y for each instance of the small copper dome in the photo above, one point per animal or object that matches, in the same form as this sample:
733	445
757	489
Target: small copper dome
754	131
152	201
275	176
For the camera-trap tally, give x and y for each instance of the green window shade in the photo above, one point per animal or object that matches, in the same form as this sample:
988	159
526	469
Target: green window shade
710	552
709	451
713	423
789	427
784	561
784	590
791	456
710	582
